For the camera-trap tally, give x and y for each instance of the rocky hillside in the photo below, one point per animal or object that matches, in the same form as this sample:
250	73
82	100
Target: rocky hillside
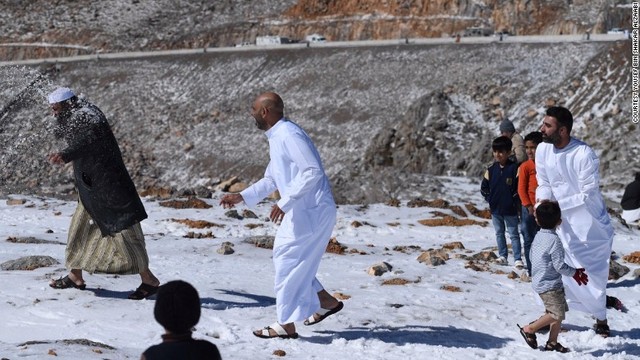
387	119
108	26
435	18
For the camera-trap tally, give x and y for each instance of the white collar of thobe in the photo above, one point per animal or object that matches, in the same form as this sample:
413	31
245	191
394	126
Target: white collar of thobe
271	131
572	143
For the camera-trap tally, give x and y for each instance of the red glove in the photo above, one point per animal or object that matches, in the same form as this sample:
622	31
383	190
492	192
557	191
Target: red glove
580	277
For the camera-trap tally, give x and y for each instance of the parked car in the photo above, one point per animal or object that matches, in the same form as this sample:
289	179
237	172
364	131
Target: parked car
315	38
616	31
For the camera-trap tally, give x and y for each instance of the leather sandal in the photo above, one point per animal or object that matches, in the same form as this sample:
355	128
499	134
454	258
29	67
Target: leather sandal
280	332
144	291
555	347
530	338
323	314
66	283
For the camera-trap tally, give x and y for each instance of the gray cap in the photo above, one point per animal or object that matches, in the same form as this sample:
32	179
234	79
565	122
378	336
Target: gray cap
507	126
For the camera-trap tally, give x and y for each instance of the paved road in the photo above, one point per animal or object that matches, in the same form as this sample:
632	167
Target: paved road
425	41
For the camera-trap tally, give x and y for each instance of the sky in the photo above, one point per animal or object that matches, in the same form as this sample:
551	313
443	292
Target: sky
416	320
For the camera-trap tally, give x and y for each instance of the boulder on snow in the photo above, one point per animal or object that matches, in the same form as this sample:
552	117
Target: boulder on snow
29	263
379	269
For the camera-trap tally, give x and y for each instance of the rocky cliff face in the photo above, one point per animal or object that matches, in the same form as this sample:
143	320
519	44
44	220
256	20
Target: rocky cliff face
169	24
447	131
354	19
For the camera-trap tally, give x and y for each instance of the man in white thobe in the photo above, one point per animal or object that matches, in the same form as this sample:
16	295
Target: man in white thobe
306	212
567	172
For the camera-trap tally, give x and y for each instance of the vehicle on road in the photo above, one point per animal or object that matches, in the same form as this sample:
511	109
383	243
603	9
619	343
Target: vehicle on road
315	38
272	40
477	31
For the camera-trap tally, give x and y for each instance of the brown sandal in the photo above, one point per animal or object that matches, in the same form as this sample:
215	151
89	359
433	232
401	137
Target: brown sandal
530	338
144	291
555	347
66	283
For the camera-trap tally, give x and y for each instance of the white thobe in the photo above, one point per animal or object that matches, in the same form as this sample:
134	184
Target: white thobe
296	171
570	177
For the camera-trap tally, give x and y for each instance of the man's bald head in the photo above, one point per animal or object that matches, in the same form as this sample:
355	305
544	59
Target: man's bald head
273	102
267	110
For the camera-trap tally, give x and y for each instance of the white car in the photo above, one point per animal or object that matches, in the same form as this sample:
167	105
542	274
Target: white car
315	38
616	31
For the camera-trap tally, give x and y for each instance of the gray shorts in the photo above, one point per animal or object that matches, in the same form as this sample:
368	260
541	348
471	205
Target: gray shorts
555	303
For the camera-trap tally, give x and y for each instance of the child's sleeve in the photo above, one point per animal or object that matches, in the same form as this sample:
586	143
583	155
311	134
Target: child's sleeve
523	183
485	189
557	259
514	187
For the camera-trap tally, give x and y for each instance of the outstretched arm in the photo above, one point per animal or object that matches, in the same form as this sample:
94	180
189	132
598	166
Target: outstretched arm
230	200
261	189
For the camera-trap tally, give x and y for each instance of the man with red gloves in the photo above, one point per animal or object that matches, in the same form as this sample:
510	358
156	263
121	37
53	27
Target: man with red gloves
567	172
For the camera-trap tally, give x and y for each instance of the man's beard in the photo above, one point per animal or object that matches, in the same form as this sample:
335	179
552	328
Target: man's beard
551	139
63	117
260	124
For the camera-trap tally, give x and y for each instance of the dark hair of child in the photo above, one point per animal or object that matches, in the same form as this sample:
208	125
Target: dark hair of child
548	214
501	143
535	136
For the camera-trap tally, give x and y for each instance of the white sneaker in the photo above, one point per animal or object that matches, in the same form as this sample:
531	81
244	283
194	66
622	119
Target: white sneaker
501	260
518	265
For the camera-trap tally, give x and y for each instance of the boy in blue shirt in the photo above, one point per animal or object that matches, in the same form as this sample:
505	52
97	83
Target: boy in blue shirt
500	188
548	266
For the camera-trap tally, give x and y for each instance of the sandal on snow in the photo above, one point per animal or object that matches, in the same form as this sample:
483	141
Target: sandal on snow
278	329
555	347
323	314
65	283
530	338
143	291
602	329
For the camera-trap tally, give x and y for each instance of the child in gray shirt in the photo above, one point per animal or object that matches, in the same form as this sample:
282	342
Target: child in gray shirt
548	266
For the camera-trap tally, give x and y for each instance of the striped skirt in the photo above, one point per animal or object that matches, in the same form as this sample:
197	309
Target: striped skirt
119	253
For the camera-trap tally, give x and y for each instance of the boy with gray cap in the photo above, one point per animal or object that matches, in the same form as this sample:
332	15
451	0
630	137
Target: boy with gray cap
507	129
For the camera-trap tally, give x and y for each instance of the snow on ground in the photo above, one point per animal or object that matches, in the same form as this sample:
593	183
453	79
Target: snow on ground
392	322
